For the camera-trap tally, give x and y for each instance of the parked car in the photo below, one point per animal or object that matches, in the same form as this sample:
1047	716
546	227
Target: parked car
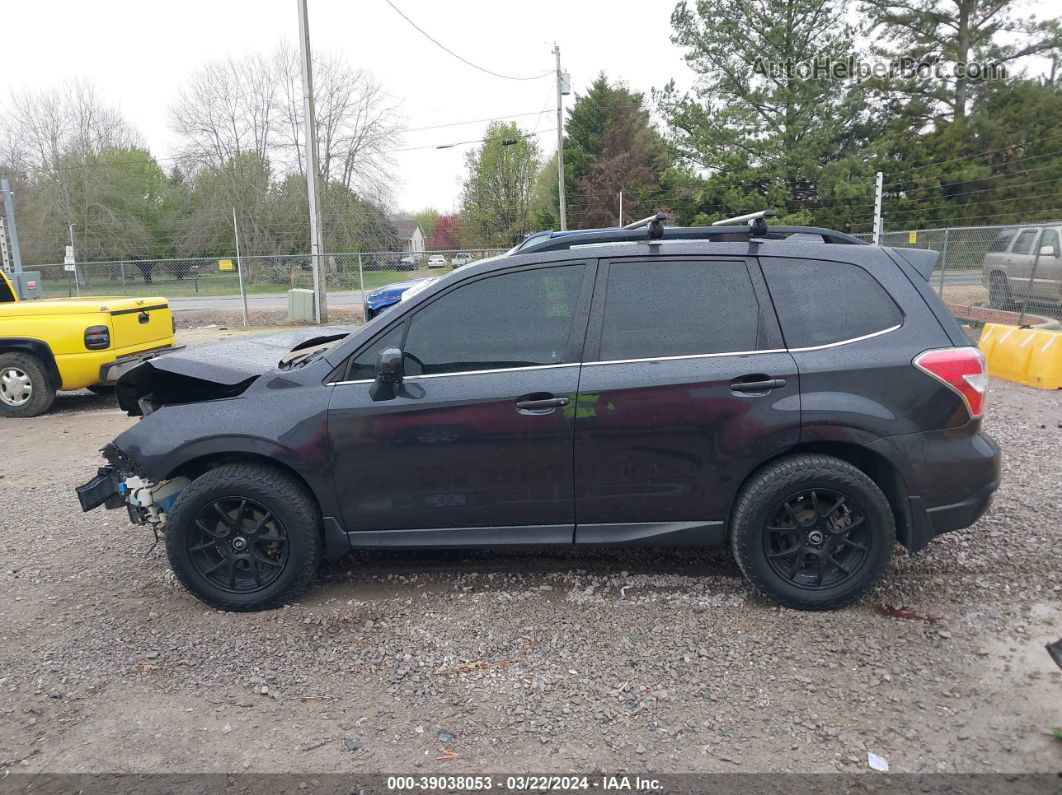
808	402
1024	264
462	258
407	263
437	261
73	343
390	294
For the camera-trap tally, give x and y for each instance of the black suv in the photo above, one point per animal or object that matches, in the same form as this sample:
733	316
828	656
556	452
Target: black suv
796	394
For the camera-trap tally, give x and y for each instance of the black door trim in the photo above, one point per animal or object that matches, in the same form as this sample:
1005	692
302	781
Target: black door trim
652	534
627	534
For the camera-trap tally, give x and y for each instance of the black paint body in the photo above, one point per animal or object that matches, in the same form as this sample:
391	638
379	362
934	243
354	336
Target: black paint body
645	451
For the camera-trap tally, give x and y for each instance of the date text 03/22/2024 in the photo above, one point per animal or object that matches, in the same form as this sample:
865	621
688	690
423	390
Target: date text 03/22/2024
522	783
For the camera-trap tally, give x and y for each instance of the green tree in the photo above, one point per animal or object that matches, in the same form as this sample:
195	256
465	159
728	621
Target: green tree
761	120
497	192
610	145
943	37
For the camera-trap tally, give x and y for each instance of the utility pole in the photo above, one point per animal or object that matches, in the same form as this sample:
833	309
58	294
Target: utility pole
877	207
12	231
5	257
73	261
621	210
320	308
239	266
563	87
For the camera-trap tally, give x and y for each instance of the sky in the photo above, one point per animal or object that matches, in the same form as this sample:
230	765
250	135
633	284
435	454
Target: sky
139	53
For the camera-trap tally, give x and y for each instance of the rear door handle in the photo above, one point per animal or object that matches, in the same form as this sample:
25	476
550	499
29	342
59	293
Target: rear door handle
543	405
759	385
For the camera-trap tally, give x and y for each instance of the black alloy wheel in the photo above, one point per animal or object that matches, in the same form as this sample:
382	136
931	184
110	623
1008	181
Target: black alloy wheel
238	545
817	538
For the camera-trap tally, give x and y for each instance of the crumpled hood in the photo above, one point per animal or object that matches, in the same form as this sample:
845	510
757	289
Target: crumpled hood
218	369
233	360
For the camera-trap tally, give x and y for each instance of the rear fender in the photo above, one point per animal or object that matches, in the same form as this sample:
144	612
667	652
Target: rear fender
39	349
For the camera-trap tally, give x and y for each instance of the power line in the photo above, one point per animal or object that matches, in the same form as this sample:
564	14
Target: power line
461	58
470	141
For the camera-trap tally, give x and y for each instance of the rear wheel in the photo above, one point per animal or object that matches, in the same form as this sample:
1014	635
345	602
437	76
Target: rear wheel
244	537
999	292
812	531
24	387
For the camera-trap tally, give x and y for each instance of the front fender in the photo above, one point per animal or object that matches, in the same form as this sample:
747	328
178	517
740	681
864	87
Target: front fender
289	427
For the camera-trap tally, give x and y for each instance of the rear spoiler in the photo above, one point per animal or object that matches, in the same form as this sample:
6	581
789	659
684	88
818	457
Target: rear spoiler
923	260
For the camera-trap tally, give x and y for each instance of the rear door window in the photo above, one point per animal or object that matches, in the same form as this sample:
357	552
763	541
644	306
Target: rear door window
820	302
1023	245
657	308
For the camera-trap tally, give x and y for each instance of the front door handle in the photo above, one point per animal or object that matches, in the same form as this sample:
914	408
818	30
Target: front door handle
540	405
756	383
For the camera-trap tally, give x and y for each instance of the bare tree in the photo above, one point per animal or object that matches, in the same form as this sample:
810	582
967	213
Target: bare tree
227	111
240	126
358	123
77	161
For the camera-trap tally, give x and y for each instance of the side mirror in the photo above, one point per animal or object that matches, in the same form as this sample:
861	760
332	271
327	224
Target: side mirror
389	372
1049	251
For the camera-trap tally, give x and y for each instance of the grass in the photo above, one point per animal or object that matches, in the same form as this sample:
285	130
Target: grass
216	284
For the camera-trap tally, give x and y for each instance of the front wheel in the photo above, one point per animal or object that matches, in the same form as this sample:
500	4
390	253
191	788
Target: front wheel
244	537
812	531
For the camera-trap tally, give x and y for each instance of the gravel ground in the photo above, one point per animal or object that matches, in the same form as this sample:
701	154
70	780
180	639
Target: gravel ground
555	661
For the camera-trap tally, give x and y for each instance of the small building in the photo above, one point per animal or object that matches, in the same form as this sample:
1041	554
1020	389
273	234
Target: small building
410	235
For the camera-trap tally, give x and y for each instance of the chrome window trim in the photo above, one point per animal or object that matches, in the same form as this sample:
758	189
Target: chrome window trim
847	341
684	356
466	372
637	361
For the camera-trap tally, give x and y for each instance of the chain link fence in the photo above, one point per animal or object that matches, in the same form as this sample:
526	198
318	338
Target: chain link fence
963	252
957	276
220	276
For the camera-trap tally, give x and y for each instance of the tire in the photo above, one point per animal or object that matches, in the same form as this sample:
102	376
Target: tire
999	292
24	387
795	497
102	389
268	572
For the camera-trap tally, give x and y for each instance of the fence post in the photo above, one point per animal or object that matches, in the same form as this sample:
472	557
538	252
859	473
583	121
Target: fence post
361	282
943	263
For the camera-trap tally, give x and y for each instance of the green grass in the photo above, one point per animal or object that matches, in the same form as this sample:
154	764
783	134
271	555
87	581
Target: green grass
216	284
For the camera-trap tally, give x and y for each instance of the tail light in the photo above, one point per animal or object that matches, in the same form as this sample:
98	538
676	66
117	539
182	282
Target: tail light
963	370
97	338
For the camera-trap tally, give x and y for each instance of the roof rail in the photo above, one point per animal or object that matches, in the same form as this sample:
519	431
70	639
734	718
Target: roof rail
707	233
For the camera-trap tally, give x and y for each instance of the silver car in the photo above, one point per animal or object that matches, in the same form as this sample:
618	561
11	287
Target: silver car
1024	264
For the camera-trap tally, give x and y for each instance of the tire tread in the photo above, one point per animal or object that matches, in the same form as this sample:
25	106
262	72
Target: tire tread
794	469
282	487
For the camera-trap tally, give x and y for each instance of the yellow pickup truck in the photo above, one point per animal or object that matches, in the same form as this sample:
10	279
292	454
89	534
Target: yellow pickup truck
73	343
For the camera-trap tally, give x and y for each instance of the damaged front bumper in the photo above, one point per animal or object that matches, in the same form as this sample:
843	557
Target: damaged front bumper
146	501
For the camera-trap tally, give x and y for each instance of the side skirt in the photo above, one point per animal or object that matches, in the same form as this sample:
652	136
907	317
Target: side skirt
637	534
652	534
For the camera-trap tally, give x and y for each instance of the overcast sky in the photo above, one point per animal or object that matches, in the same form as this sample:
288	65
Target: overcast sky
139	52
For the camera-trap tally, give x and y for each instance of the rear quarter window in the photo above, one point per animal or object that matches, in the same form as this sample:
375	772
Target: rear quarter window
820	302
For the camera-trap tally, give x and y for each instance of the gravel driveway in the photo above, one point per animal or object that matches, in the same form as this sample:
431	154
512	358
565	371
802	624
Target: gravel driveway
445	662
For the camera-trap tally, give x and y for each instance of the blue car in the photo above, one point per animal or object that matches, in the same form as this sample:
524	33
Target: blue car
390	294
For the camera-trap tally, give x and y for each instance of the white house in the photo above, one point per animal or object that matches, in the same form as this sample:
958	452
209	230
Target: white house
410	235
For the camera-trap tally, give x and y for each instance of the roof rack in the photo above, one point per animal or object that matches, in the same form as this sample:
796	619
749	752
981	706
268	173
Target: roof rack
567	239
